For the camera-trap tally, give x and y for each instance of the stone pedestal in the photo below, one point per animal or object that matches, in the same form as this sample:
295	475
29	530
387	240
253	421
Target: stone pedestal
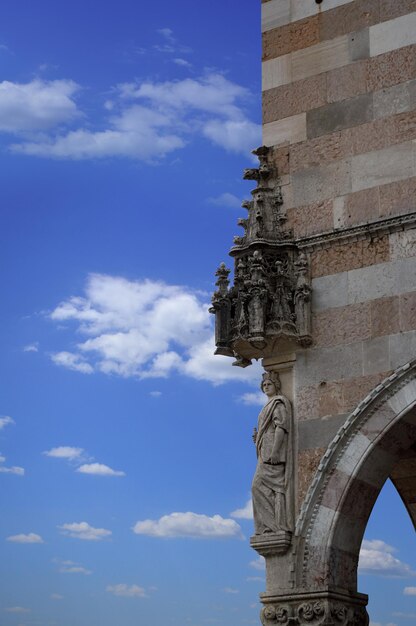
315	609
270	544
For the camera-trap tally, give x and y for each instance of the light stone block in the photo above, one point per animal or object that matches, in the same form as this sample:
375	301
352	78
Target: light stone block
403	244
320	183
338	211
321	57
355	453
376	355
404	398
380	280
329	292
274	13
325	364
374	281
382	166
286	131
302	8
276	72
393	34
324	521
391	101
318	433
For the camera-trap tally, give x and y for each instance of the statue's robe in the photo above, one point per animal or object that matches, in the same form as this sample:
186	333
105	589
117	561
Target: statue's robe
272	486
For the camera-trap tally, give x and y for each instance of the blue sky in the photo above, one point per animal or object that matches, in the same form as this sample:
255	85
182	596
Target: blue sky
125	447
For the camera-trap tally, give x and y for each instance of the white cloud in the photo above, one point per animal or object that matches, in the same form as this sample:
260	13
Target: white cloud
258	563
147	121
65	452
98	469
69	567
182	62
231	590
72	361
234	135
31	347
225	199
253	398
25	538
245	513
56	596
38	105
127	591
376	558
189	525
82	530
145	329
19	471
167	33
5	420
256	579
155	394
409	591
17	609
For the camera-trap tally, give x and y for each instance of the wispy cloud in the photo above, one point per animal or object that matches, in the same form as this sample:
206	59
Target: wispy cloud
72	361
14	469
144	121
244	513
225	199
189	525
70	567
65	452
25	538
99	469
256	398
377	558
259	563
5	420
126	591
83	530
56	596
31	347
231	590
409	591
17	609
146	329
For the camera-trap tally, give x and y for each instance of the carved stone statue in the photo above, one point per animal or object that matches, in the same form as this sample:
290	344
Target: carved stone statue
273	483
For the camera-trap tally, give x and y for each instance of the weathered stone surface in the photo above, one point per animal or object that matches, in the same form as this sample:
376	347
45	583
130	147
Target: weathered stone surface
392	100
376	355
320	151
320	183
291	37
408	311
346	257
398	197
311	219
387	165
330	291
391	68
339	115
402	348
308	463
385	318
343	325
318	365
359	45
361	206
348	19
285	131
347	82
389	9
294	98
403	245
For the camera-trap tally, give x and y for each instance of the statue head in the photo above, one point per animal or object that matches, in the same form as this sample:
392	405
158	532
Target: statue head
270	383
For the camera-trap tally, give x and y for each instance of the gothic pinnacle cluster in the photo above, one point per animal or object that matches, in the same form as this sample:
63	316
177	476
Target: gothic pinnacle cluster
268	306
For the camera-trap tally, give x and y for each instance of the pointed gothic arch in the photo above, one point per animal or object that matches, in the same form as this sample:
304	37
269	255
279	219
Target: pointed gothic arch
376	442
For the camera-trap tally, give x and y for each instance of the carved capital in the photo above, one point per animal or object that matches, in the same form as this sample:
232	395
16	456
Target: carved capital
315	611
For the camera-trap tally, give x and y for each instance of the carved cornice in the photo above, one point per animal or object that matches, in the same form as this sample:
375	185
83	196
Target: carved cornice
355	233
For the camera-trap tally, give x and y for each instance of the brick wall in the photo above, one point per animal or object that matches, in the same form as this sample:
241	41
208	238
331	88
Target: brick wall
339	99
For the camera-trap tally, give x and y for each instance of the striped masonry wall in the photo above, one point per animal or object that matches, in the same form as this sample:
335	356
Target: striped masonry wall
339	100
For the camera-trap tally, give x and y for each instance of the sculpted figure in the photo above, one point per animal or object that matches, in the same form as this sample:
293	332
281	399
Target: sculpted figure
272	482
